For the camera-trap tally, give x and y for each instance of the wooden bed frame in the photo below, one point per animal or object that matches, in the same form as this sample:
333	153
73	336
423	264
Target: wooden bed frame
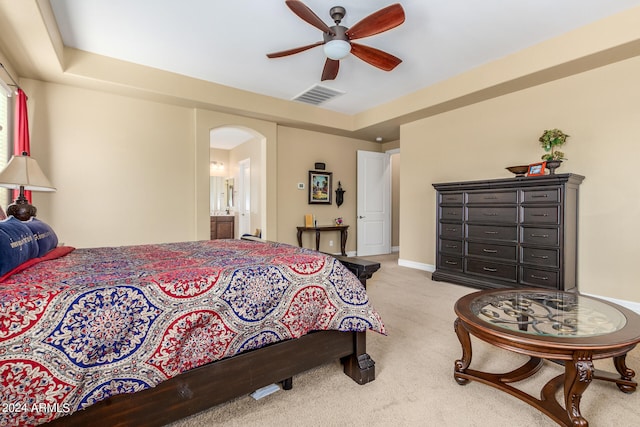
218	382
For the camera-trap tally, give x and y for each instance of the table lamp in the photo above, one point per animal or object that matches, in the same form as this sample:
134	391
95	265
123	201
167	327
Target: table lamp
23	173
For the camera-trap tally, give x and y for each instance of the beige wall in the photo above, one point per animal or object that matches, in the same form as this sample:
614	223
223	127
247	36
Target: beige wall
123	167
129	171
601	112
298	150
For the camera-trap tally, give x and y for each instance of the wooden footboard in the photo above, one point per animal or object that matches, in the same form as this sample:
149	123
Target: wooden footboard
218	382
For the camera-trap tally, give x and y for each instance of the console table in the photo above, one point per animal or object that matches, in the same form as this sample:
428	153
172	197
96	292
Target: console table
341	228
543	324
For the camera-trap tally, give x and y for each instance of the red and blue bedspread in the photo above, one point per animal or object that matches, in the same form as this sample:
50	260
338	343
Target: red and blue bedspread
104	321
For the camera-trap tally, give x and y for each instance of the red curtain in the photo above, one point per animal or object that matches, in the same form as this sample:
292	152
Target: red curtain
21	142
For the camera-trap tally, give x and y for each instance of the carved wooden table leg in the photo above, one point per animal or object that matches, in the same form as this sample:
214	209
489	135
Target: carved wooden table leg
577	377
343	241
626	375
462	364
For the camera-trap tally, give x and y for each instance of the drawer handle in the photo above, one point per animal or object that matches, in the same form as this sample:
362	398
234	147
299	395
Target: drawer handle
451	262
544	236
542	214
491	270
490	251
539	256
533	276
490	197
452	213
490	232
451	229
451	246
489	214
544	196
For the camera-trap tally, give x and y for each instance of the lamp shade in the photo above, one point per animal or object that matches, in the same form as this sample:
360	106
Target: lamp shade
337	49
23	171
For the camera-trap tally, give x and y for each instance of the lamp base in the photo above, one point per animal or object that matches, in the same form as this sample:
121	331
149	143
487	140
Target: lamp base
21	211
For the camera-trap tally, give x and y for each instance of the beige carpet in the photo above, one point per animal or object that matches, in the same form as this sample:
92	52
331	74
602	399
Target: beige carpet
414	383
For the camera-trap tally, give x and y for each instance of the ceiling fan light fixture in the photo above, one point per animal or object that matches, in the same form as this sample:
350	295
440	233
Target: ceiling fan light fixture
337	49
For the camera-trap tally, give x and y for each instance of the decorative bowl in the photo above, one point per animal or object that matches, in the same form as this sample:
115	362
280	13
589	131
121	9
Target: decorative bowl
519	170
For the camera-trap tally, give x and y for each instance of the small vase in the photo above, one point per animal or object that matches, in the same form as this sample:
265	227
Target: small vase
552	165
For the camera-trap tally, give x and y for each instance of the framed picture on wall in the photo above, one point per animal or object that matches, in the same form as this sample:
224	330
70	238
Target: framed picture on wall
320	187
537	169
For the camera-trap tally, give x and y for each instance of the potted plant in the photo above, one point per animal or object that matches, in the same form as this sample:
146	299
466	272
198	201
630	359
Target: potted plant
550	140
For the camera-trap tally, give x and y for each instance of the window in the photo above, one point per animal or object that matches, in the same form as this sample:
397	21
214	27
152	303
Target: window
6	127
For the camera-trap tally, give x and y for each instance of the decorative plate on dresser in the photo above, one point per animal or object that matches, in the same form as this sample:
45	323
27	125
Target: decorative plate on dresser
515	232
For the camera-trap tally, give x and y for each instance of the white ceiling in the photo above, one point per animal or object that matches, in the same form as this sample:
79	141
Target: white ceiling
226	42
227	137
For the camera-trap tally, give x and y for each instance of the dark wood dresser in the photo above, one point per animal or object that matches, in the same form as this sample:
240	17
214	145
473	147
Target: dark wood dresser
222	227
515	232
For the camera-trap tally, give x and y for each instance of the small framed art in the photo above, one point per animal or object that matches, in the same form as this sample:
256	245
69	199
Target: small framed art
320	187
537	169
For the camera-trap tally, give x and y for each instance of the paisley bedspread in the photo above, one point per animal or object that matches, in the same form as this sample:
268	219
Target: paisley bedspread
104	321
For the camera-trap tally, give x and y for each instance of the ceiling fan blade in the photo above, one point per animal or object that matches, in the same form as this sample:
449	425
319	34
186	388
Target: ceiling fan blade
308	16
293	51
375	57
330	71
378	22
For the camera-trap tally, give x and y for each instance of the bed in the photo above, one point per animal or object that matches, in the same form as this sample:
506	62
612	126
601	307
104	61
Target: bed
148	334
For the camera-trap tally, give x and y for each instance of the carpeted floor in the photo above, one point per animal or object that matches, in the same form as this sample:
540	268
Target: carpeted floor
414	383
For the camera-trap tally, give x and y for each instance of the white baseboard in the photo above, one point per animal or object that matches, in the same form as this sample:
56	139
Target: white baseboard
417	265
633	306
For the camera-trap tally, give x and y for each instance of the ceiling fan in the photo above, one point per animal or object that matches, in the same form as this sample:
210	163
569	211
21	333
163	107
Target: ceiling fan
338	39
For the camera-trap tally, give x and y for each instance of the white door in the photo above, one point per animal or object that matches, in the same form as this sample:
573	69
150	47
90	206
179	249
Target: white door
374	204
244	197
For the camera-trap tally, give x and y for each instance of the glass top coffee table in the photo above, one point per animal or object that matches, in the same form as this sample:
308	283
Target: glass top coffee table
561	326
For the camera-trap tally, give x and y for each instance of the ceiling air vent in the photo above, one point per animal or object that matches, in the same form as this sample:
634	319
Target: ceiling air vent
317	94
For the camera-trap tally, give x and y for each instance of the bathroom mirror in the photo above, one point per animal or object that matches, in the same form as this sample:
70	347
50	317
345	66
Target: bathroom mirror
229	191
218	194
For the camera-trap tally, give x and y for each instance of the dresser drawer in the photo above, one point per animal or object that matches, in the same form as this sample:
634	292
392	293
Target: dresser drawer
506	215
450	230
536	277
451	198
541	215
493	232
492	269
542	257
451	263
493	197
540	236
453	247
452	213
544	195
502	252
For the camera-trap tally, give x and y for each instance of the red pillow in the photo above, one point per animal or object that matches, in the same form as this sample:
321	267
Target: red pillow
58	252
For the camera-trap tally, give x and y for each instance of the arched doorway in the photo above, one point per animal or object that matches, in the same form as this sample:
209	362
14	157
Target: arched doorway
238	177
